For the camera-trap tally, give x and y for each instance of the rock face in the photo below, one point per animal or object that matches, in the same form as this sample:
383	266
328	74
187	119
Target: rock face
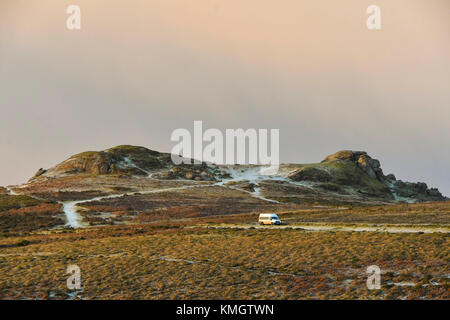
40	172
311	174
370	166
188	172
347	172
128	160
419	191
357	171
352	175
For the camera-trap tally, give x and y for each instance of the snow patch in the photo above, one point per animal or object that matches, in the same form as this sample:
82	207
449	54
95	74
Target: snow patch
127	163
396	196
11	191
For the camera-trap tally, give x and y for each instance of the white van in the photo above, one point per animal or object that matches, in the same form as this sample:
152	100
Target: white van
268	218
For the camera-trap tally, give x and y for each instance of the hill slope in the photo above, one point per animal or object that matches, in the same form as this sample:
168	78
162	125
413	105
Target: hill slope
345	173
127	184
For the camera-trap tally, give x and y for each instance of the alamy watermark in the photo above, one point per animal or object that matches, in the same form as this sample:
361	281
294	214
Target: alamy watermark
227	149
73	22
74	280
374	278
374	20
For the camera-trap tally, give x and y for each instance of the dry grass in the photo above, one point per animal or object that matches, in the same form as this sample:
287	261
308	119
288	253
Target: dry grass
178	204
22	214
434	213
165	255
165	261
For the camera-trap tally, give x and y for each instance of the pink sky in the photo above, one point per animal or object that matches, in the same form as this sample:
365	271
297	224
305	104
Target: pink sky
137	70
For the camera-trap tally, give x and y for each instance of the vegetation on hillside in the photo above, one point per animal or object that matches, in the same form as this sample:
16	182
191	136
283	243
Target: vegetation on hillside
172	262
23	214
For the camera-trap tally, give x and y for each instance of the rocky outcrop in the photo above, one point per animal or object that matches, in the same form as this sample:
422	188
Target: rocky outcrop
360	172
347	172
391	177
187	172
370	166
352	175
419	191
40	172
310	174
128	160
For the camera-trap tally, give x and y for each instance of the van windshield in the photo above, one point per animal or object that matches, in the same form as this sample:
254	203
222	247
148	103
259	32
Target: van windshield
269	217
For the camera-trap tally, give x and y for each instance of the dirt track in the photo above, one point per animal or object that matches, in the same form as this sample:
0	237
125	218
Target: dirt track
345	228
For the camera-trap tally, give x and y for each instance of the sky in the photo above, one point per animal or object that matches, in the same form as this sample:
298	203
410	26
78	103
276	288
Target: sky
137	70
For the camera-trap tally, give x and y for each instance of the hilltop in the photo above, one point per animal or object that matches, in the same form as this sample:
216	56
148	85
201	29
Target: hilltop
357	170
129	215
343	174
131	184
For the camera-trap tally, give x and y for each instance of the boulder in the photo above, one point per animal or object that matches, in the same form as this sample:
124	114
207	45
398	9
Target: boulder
417	191
369	165
128	160
310	174
39	173
347	155
391	177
